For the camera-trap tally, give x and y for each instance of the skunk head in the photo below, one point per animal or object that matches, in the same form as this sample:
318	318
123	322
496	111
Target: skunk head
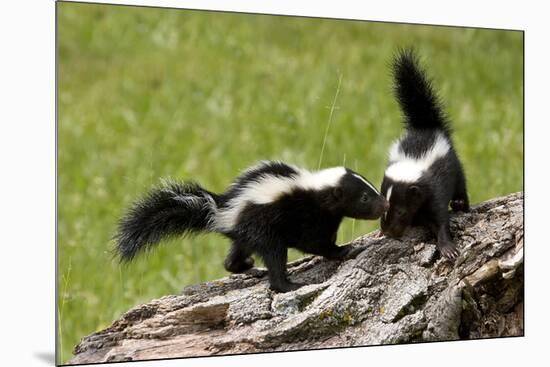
405	199
406	180
356	197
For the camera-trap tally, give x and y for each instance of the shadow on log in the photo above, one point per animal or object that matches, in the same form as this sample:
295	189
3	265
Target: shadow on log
393	291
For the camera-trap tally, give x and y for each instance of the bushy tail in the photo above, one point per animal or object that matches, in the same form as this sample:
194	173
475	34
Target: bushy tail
416	96
173	209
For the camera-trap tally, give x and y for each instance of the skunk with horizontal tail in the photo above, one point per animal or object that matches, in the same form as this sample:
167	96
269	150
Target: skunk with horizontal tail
269	208
424	173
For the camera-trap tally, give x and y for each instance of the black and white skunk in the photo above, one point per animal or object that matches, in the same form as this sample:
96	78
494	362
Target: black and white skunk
269	208
424	173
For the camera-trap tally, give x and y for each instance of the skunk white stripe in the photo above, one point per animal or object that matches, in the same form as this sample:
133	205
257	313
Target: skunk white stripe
395	151
318	180
388	194
366	182
409	169
268	188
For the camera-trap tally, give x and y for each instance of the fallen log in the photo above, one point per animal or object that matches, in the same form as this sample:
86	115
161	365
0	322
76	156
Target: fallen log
393	291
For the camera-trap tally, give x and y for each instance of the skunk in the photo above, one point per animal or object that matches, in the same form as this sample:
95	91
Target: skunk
424	173
270	207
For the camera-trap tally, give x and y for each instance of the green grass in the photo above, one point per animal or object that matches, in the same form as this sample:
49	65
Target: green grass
151	93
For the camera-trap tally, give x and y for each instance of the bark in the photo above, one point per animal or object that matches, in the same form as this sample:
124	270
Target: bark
393	291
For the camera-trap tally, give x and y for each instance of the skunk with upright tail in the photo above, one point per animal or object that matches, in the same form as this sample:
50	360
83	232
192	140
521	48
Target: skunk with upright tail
269	208
424	173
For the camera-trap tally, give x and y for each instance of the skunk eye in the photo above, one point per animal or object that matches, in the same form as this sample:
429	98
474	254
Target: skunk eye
400	212
364	198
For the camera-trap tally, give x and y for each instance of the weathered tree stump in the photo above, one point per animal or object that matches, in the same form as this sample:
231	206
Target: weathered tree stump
393	291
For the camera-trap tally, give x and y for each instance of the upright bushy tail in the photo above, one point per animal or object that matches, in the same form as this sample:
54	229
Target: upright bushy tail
416	96
173	209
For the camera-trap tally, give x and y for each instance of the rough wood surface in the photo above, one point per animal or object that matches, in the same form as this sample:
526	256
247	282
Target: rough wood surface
393	291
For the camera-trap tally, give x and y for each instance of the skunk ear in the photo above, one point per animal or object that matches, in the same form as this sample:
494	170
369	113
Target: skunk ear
337	193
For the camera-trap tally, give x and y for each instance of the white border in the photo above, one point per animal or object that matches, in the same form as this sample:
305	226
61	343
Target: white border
28	162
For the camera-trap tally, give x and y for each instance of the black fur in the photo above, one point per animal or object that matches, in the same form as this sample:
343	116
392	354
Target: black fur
173	209
417	98
426	201
307	220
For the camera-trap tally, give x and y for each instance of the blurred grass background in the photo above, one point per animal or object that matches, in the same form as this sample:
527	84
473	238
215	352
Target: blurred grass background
150	93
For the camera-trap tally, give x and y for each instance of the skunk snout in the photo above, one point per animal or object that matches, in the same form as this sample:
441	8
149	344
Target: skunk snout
381	206
391	230
373	209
